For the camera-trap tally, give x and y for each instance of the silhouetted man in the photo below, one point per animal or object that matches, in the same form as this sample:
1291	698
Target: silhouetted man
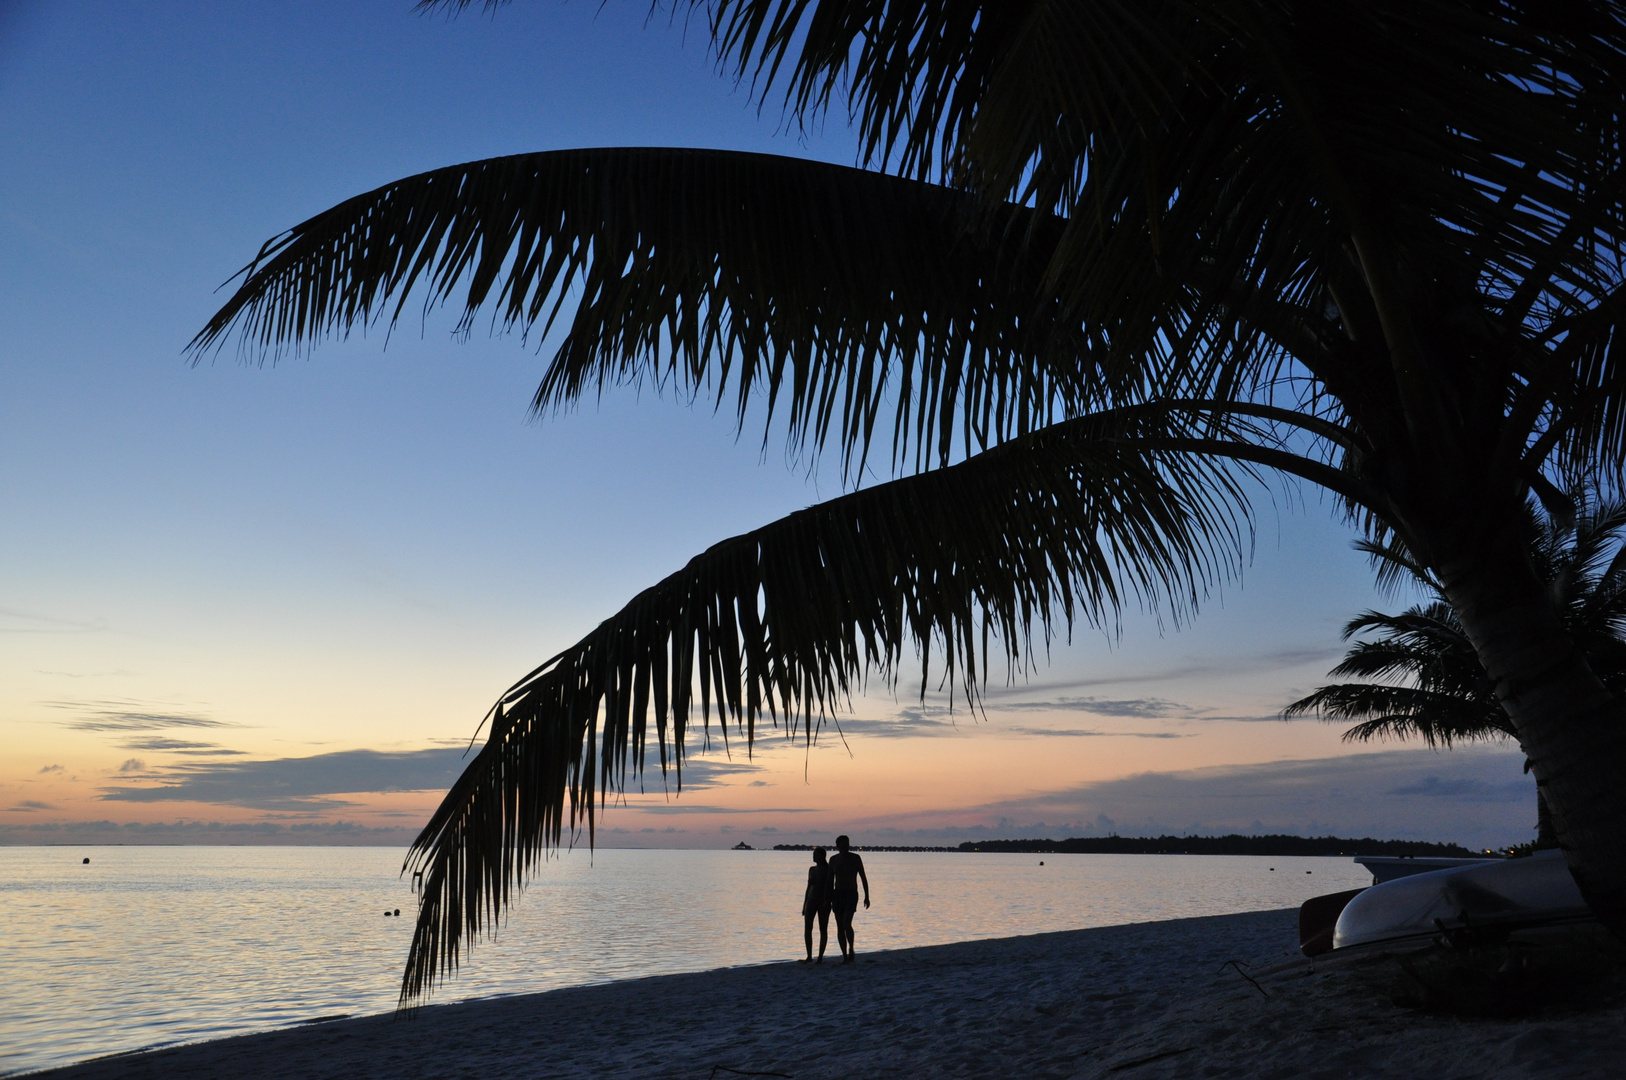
846	871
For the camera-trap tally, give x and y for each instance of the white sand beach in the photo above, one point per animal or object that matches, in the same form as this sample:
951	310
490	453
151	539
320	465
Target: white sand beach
1144	1000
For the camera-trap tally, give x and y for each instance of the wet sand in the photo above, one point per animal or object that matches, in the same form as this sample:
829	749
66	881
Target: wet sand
1138	1001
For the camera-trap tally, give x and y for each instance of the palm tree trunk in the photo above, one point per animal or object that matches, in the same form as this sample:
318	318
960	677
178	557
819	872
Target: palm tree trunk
1546	837
1570	726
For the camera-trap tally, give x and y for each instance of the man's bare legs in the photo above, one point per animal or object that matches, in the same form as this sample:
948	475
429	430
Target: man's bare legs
846	871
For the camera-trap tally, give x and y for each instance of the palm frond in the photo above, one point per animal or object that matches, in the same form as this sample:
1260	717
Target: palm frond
1394	566
918	75
1433	620
1471	150
1595	550
836	293
1404	712
1197	152
784	622
1427	665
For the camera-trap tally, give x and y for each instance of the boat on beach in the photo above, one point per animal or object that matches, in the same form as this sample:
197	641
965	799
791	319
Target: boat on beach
1388	867
1417	904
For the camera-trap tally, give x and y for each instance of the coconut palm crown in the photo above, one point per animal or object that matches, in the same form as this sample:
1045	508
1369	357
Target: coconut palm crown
1097	264
1418	676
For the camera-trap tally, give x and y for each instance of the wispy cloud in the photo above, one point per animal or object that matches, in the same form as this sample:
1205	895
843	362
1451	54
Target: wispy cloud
697	808
164	742
907	723
31	805
1275	718
699	771
1270	660
1466	789
50	769
1145	708
110	673
1088	733
13	621
130	716
918	721
133	765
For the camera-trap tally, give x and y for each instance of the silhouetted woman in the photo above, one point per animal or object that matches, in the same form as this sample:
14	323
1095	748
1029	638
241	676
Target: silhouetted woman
816	901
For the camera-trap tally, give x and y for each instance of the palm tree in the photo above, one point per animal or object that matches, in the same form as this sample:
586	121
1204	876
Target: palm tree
1099	263
1420	677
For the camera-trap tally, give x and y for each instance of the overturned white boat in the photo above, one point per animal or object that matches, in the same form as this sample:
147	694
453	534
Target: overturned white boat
1509	894
1503	895
1388	867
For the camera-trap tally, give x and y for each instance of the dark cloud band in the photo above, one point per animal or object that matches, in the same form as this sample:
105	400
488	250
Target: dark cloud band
311	783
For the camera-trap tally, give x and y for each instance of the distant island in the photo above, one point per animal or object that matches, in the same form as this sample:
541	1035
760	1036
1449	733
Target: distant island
1233	844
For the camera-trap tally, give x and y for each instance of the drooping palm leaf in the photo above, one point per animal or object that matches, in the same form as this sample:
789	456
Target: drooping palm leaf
787	620
827	288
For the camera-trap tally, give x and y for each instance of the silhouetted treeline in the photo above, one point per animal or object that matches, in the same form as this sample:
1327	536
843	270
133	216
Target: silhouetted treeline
1192	845
1222	845
864	847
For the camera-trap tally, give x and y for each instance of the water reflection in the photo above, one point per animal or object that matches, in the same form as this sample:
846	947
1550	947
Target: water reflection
147	946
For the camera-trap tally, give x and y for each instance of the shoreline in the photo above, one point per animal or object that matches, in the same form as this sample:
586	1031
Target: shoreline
1151	999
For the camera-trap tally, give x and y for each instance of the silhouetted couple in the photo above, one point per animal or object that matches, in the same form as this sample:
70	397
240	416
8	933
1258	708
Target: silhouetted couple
833	886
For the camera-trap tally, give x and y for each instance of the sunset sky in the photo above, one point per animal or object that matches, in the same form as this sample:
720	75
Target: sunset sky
244	602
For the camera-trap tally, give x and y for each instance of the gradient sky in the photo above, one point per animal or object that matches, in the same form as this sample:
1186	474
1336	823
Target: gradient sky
244	602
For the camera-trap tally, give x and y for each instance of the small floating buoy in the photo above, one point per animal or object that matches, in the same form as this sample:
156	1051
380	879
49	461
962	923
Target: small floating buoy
398	911
1272	869
86	862
1309	871
386	914
1041	862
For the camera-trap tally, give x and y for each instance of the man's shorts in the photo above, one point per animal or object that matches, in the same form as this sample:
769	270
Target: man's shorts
845	903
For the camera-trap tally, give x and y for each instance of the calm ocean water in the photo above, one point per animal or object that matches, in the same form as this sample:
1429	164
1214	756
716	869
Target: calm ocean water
148	946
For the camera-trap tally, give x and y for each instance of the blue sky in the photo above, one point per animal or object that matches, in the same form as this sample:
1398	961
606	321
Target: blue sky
257	566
